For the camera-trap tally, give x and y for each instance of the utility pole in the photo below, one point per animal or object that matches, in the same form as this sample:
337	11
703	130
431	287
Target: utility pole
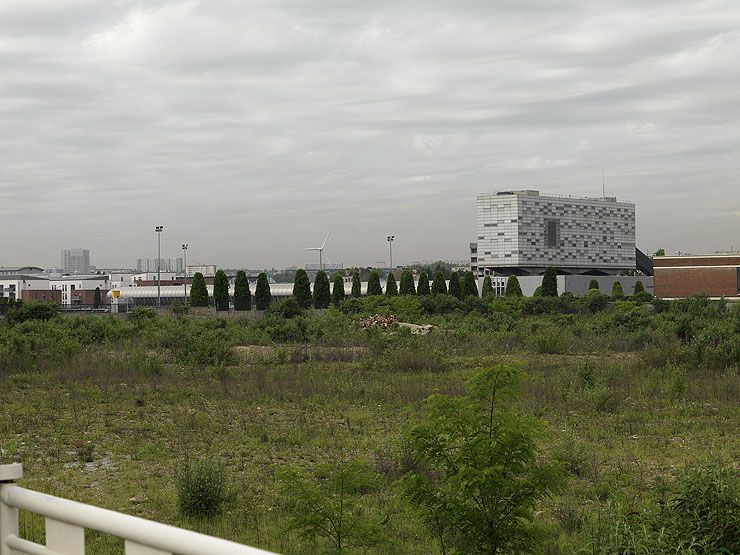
159	229
185	270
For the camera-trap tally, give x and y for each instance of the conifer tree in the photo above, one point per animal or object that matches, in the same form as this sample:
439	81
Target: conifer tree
262	294
321	293
639	288
302	289
454	288
487	287
391	289
198	291
373	284
97	300
242	294
439	287
470	285
422	289
550	283
337	294
513	289
617	291
593	284
221	291
407	283
356	285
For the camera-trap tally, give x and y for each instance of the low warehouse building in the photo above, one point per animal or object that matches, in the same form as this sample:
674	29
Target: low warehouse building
712	275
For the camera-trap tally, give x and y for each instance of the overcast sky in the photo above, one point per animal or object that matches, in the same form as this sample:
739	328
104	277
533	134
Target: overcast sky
251	129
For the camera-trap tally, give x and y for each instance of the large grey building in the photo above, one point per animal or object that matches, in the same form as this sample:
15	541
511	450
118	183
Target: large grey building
523	232
76	261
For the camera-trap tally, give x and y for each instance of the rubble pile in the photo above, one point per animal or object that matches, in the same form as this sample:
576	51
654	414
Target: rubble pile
383	321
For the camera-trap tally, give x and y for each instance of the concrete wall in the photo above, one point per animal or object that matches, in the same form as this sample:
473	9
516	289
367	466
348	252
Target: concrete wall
578	285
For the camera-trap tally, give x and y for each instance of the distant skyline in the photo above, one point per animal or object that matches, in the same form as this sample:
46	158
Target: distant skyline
251	129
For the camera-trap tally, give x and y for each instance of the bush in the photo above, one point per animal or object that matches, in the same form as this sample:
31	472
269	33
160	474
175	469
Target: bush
32	310
373	284
142	314
550	283
201	488
198	291
513	289
302	289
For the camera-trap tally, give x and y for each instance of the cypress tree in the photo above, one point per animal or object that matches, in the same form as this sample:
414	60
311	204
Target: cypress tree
97	301
455	289
470	285
391	289
302	289
321	293
337	294
198	291
221	291
356	285
593	284
550	283
639	288
407	283
373	284
422	289
439	287
617	291
513	289
487	287
242	294
262	294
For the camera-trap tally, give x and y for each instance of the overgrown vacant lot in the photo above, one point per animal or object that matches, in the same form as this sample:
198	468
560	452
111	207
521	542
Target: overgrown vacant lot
111	412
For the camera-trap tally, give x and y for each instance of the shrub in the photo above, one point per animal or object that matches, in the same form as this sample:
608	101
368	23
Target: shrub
454	288
356	285
32	310
242	294
373	284
422	287
262	294
201	488
470	285
142	314
407	283
221	291
302	289
617	291
337	294
593	284
550	283
321	293
198	291
439	287
595	301
513	289
487	290
391	289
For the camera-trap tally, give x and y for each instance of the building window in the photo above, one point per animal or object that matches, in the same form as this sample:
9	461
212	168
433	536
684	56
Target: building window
551	233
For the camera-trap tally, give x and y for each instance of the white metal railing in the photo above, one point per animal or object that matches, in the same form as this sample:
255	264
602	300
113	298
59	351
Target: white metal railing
67	520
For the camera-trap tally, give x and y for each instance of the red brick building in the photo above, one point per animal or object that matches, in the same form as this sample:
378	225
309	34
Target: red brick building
42	295
682	276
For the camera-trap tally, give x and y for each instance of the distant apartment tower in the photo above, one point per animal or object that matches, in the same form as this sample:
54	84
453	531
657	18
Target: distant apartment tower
76	261
523	232
165	265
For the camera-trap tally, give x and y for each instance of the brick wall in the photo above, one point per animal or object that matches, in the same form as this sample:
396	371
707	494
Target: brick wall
43	295
686	261
684	282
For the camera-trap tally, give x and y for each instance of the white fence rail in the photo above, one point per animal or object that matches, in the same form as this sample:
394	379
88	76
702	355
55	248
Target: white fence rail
67	520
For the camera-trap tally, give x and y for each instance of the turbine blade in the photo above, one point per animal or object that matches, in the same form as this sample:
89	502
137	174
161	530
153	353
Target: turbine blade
325	240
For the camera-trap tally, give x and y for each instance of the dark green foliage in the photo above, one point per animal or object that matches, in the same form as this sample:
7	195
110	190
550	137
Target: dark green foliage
262	294
593	284
97	301
470	285
391	289
337	293
423	286
373	284
407	283
513	289
242	294
595	301
478	477
221	291
550	283
659	252
32	310
617	291
455	289
289	308
439	287
356	285
487	287
201	488
321	292
198	291
537	292
639	288
302	289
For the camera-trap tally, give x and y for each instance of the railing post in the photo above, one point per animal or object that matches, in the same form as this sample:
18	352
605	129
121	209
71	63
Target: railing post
9	473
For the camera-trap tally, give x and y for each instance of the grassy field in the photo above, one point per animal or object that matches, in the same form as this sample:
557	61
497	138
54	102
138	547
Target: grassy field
106	411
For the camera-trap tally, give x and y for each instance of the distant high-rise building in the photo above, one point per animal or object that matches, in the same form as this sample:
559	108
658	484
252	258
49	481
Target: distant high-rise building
76	261
165	265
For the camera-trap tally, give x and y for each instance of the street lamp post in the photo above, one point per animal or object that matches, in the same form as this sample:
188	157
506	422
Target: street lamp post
158	229
185	271
390	239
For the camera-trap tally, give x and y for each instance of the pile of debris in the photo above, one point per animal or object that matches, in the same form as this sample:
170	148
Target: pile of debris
383	321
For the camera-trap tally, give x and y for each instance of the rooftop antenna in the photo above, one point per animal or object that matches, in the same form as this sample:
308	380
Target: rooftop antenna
321	251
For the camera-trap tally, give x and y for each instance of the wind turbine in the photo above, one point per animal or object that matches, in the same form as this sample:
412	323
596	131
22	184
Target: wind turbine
321	251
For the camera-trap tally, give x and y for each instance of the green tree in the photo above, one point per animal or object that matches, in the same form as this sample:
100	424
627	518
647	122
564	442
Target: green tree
337	293
331	507
617	291
373	284
391	289
356	285
97	301
262	294
242	294
550	283
407	283
221	290
513	289
487	287
470	285
593	284
439	287
302	289
659	252
454	287
639	288
422	289
321	292
479	475
198	291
